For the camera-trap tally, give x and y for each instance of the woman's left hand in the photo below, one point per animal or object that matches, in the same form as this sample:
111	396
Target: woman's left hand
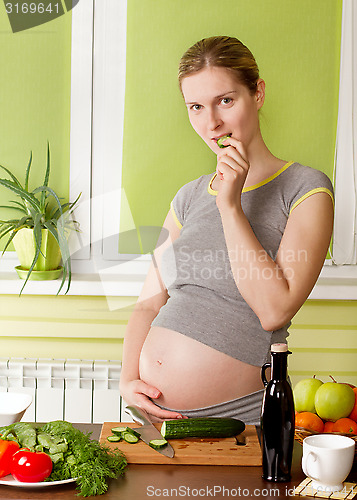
232	170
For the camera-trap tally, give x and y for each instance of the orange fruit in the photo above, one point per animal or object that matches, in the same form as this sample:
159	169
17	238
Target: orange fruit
309	421
353	413
328	426
345	425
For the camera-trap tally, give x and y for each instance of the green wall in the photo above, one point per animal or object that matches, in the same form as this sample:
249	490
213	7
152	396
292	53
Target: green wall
296	45
35	89
323	337
323	340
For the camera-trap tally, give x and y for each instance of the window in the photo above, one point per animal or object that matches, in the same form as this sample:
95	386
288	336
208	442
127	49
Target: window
108	198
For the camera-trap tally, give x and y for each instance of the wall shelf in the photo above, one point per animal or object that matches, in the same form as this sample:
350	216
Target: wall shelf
126	280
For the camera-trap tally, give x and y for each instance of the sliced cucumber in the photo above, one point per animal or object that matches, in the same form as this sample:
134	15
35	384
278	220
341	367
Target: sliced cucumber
119	430
114	439
129	437
129	429
221	140
157	443
202	427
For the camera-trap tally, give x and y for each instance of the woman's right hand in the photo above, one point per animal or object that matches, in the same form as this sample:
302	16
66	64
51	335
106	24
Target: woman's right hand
137	392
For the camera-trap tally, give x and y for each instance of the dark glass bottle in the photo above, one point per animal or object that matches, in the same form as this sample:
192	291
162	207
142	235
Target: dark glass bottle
278	418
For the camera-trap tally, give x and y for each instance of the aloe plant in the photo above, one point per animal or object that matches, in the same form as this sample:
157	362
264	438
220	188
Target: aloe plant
40	208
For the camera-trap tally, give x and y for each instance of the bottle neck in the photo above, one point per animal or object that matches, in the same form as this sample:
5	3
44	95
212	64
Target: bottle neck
279	365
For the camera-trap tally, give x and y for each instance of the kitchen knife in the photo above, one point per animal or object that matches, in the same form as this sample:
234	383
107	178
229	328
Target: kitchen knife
147	430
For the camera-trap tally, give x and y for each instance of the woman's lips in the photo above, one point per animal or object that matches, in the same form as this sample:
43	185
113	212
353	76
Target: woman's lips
215	139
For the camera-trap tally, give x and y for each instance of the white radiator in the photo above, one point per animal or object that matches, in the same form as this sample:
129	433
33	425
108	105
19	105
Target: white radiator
75	390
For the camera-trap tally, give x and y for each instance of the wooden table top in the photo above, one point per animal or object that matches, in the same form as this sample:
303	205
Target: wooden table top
142	482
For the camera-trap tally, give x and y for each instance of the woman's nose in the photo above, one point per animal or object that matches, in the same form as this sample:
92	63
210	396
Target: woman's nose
214	120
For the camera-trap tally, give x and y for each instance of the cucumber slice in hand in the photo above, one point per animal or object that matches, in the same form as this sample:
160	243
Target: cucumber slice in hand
221	140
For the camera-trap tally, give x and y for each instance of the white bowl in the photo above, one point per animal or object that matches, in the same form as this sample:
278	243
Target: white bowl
13	406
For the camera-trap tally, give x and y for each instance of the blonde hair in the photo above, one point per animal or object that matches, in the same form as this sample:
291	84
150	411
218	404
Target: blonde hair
221	51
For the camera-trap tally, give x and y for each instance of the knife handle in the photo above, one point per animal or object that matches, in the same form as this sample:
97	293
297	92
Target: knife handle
138	414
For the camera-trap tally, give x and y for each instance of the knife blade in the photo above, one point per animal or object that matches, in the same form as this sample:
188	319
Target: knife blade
147	430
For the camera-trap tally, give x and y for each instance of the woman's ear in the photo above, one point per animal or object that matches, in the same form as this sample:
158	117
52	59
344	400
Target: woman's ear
260	93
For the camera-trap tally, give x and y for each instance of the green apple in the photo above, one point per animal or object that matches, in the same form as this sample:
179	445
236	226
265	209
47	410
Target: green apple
334	401
304	394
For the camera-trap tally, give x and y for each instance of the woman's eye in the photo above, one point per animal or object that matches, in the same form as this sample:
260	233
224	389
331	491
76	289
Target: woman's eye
226	100
196	107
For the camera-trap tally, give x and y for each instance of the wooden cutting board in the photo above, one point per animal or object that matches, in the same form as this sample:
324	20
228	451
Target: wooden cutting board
195	451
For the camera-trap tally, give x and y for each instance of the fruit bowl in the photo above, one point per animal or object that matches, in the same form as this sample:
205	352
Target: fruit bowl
301	433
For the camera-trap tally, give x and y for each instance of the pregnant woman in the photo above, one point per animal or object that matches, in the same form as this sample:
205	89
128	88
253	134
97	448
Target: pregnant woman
244	249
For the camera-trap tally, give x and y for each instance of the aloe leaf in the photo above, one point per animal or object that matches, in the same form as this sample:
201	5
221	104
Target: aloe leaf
64	276
5	227
31	268
52	228
47	176
56	212
61	239
9	207
14	230
66	271
66	257
37	231
19	203
9	229
14	178
51	192
19	206
17	221
67	208
32	213
27	174
73	203
9	221
20	191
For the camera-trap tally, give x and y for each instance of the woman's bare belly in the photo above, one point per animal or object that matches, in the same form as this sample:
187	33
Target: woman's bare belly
192	375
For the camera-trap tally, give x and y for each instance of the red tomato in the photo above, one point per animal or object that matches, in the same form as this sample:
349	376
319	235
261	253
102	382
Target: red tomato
30	467
7	449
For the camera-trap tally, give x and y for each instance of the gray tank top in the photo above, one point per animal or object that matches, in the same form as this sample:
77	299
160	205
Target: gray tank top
204	302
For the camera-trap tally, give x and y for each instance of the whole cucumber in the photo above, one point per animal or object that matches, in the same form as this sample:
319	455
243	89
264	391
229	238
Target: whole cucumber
218	427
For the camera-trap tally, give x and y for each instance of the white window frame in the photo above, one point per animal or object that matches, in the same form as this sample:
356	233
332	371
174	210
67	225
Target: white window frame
81	120
107	76
335	282
345	175
97	119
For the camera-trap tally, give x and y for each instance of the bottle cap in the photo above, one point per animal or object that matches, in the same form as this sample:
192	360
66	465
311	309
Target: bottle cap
279	348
